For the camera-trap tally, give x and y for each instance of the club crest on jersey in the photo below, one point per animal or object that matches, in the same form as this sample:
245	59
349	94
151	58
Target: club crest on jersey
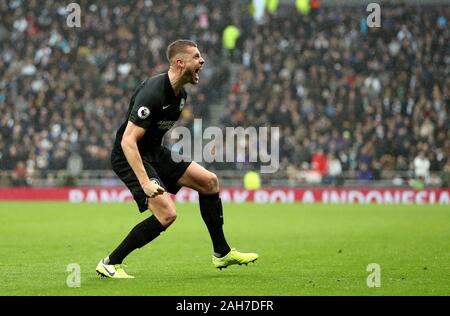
143	112
182	104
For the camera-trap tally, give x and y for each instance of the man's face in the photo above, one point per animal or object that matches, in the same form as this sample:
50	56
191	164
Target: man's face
193	63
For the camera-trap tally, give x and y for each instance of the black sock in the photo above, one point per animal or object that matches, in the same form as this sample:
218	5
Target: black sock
212	214
140	235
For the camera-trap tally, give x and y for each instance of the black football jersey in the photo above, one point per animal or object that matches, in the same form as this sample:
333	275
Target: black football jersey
154	107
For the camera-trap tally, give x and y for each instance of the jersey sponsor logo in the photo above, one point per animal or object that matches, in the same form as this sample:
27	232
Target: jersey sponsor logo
166	106
166	124
143	112
182	103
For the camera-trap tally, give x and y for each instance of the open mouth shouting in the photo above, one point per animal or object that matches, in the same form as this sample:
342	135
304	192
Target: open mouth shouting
196	74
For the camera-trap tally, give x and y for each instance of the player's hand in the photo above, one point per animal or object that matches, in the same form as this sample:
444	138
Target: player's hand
152	189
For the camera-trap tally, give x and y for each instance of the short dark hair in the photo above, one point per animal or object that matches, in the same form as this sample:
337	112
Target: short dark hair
178	47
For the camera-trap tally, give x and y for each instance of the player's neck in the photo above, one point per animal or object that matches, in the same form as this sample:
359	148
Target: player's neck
176	80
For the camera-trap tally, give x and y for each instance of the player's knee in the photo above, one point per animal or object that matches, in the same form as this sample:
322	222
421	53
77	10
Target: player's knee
211	184
170	217
166	213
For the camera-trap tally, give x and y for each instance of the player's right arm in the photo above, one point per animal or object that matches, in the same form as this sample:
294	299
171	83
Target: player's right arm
138	123
131	136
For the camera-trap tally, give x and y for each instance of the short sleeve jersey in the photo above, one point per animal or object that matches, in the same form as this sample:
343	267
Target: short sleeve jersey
154	107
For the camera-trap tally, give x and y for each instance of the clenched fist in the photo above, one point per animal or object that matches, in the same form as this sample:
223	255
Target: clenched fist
152	189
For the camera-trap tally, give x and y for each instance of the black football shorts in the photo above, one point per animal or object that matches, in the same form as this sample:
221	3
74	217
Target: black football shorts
161	168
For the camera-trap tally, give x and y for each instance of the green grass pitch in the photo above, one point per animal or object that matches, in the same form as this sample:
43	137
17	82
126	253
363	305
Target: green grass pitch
304	250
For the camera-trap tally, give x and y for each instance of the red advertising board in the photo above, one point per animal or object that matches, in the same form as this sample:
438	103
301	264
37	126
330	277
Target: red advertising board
269	195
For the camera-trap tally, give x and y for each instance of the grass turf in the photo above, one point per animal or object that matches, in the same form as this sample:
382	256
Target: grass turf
304	250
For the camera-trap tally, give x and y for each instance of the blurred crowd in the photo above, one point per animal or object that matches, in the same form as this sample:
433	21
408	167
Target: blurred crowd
367	102
64	91
349	99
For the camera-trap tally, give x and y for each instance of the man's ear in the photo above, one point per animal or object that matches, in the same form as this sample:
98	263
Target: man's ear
179	62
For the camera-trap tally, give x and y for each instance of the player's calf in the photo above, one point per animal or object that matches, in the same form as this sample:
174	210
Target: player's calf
212	214
139	236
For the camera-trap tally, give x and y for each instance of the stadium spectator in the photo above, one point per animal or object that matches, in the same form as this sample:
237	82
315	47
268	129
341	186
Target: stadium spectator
422	166
19	175
334	175
365	174
230	36
319	162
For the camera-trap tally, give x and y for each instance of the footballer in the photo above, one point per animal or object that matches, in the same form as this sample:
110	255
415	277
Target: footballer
147	169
